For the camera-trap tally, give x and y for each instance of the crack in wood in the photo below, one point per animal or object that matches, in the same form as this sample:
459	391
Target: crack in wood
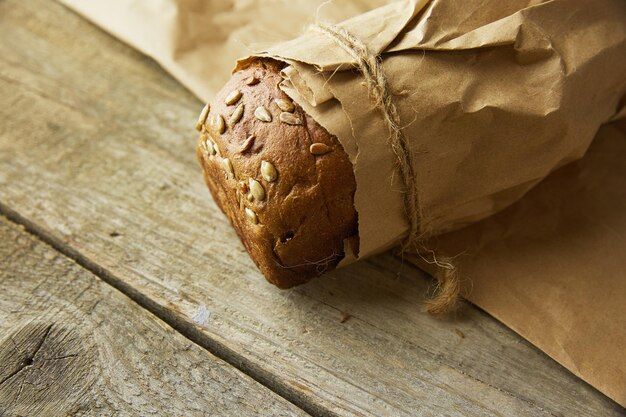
56	358
193	334
186	329
28	360
60	361
40	345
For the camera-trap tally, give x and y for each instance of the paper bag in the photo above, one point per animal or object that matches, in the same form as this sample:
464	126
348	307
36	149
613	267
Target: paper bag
492	97
491	100
199	41
553	265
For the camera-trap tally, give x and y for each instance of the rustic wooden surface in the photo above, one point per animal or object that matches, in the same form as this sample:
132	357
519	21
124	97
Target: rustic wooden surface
72	345
97	158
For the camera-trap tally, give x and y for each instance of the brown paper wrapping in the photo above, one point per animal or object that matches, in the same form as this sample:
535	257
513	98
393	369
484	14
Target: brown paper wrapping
553	266
493	96
468	86
199	41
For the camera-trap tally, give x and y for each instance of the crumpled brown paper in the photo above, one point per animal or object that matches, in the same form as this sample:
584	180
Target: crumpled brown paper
490	102
553	265
494	96
199	41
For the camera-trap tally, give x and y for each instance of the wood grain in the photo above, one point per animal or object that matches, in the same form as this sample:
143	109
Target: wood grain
72	345
97	157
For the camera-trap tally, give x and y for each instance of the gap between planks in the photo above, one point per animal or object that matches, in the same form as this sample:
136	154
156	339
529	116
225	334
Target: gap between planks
185	328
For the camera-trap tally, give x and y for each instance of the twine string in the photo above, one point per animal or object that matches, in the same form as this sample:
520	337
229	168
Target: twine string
371	68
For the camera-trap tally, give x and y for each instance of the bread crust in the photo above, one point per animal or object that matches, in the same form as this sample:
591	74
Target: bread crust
294	224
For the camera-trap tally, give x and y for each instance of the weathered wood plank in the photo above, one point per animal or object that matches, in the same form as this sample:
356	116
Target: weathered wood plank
70	344
97	155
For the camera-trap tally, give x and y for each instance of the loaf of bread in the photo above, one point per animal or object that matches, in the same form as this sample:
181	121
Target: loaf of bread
284	182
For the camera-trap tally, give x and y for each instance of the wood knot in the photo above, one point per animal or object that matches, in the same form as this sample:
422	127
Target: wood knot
46	368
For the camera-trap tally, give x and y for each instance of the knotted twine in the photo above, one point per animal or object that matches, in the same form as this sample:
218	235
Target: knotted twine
371	68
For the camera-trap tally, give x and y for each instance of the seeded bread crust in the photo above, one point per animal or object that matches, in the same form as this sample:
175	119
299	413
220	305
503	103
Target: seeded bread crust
284	182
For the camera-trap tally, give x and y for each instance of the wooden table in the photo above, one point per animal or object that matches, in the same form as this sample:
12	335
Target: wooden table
124	291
